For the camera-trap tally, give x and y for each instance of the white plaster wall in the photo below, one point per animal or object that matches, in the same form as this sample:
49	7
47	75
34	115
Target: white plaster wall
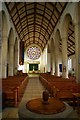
9	22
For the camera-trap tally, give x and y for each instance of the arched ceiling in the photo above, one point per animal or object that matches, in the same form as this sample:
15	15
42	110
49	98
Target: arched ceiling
35	21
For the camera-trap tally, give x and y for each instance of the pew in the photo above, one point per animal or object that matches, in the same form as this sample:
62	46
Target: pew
61	88
13	87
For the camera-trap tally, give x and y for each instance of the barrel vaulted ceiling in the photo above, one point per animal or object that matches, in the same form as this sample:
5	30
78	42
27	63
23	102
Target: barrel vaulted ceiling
35	22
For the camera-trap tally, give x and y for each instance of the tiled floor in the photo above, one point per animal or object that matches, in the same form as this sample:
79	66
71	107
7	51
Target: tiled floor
34	89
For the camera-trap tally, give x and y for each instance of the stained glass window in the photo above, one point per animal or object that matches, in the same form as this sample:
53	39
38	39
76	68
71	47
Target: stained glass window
33	52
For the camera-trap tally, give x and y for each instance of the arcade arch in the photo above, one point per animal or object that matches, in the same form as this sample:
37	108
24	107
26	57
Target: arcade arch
64	37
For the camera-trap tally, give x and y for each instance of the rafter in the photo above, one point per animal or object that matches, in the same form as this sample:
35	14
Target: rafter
44	18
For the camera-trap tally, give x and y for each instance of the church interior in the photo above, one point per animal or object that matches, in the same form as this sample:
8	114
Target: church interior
40	60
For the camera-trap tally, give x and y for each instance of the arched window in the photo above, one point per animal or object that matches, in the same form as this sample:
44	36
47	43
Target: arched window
33	52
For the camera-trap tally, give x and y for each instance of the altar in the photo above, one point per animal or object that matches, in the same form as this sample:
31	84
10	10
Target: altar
34	109
35	71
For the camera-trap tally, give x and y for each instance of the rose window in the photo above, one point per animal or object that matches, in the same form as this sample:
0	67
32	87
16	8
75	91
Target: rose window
34	52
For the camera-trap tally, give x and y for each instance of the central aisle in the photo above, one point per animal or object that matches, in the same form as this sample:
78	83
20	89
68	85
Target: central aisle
34	89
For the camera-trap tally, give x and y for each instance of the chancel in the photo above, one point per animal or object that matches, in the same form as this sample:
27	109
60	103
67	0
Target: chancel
40	60
33	68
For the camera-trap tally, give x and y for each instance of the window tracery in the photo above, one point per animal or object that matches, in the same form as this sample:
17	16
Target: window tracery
33	52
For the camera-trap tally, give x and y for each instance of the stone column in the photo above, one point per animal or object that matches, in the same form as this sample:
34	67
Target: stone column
15	60
44	60
4	56
52	57
64	58
26	70
48	62
57	57
53	64
41	64
77	41
0	55
21	59
77	50
11	60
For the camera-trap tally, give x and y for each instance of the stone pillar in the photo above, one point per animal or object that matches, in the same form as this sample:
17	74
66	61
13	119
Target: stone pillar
77	50
48	62
11	60
0	55
4	56
77	41
26	70
21	56
44	59
15	60
64	58
53	64
41	64
52	57
57	57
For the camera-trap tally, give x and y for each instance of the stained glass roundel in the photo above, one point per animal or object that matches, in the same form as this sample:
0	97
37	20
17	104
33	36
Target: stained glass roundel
33	52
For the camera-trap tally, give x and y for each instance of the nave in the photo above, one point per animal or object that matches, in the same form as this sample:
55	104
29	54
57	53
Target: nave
38	37
34	89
